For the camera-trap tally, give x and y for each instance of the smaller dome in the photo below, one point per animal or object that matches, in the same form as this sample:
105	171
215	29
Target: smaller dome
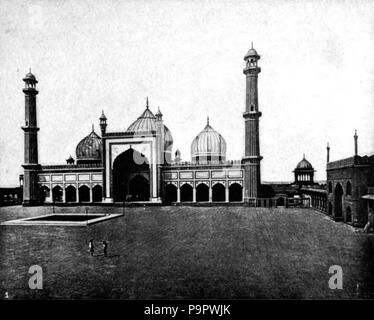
30	78
70	160
159	114
89	148
251	53
208	145
304	164
102	117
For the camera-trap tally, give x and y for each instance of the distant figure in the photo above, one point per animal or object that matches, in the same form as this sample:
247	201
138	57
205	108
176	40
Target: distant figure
91	247
105	248
370	223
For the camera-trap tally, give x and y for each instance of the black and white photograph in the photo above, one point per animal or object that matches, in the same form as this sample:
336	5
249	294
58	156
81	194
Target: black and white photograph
186	150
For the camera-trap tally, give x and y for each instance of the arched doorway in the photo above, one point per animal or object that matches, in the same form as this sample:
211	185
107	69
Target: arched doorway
202	193
97	193
71	194
126	167
218	192
57	194
139	189
338	201
348	214
84	194
44	193
170	193
280	202
235	192
186	193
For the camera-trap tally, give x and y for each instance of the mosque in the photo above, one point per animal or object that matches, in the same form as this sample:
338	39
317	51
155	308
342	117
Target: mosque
137	165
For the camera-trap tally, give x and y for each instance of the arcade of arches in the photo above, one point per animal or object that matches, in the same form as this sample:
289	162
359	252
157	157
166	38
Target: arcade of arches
203	193
71	193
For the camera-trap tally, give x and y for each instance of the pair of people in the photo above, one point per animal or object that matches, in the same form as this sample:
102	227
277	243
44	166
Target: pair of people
91	248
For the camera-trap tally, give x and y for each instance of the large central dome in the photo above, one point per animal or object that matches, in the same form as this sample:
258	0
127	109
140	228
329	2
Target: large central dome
208	146
146	123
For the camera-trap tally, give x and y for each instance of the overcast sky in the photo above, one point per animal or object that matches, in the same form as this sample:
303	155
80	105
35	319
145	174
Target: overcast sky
316	84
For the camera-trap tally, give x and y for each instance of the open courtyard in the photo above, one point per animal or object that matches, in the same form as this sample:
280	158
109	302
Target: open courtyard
186	252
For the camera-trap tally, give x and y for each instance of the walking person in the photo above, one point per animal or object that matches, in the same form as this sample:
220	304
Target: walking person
91	248
370	223
105	248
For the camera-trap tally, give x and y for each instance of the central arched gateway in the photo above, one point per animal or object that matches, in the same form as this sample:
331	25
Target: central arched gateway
131	176
139	188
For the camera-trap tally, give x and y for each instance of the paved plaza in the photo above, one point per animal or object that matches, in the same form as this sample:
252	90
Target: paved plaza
186	252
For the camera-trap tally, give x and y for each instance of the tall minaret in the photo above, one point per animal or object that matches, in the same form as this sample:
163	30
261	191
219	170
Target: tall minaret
252	158
31	166
355	137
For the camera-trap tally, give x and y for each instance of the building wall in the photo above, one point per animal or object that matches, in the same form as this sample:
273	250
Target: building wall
360	175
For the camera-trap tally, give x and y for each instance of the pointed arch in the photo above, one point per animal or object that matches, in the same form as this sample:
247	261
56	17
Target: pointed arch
338	201
218	192
57	194
170	193
84	193
97	193
202	193
71	194
235	192
186	191
348	188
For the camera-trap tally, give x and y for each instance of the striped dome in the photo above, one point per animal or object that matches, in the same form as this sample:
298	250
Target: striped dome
146	123
89	148
208	145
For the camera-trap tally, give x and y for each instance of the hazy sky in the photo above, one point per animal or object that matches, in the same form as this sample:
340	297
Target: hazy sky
316	84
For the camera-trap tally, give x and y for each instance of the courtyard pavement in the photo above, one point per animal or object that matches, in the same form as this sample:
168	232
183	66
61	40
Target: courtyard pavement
186	252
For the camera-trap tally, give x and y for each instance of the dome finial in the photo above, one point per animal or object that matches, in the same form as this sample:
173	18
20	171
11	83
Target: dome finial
303	155
147	104
207	120
93	129
251	44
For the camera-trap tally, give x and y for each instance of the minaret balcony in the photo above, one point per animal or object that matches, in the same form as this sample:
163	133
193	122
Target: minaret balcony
30	128
252	114
30	90
252	70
